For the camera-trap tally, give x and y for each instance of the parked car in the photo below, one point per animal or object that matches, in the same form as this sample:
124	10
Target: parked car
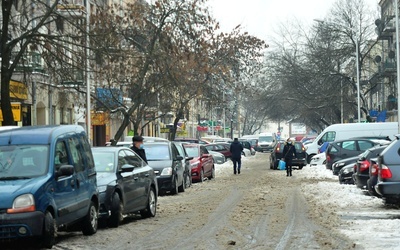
277	154
164	158
388	185
191	140
187	175
346	174
337	166
47	182
319	159
126	184
253	139
223	148
267	142
343	149
202	163
373	177
217	157
246	145
363	164
253	144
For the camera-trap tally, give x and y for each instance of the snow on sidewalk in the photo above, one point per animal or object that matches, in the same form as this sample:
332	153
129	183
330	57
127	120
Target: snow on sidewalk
363	218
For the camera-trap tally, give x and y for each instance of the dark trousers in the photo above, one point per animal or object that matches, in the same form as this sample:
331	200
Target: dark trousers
237	162
288	167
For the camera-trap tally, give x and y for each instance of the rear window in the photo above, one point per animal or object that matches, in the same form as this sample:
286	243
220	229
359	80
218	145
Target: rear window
192	151
157	152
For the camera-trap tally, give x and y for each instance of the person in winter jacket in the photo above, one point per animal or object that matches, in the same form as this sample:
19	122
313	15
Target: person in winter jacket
138	147
236	151
289	152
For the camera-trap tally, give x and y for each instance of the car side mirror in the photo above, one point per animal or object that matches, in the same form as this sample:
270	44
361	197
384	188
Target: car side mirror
189	158
65	170
127	168
179	158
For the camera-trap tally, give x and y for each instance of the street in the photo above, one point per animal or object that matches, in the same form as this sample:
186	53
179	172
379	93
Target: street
258	209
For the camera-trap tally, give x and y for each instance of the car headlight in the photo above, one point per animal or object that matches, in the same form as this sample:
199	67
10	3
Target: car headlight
346	171
23	203
341	164
194	165
166	171
102	188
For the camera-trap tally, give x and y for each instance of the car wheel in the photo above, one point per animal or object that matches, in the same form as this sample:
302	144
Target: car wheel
301	167
151	208
182	187
117	209
90	222
271	165
371	189
49	231
175	188
201	175
212	176
309	158
340	179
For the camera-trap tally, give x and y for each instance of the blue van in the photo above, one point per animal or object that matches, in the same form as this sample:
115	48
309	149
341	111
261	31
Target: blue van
47	182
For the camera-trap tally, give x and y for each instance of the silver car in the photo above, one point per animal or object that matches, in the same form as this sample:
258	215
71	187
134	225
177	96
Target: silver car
217	157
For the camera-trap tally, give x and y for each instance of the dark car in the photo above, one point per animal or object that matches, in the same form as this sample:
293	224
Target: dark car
388	185
346	174
277	154
337	166
250	144
363	164
343	149
166	161
202	164
47	183
126	184
187	175
223	148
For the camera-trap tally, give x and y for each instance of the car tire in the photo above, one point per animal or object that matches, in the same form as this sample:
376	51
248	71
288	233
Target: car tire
117	209
188	180
151	207
371	189
271	165
49	231
175	188
212	176
181	188
309	158
90	221
202	175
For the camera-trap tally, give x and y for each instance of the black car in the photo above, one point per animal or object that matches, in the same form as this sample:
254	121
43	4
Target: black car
277	154
187	175
126	184
166	161
337	166
346	174
250	144
343	149
363	164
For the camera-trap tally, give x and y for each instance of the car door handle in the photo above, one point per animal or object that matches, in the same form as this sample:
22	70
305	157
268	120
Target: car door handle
135	178
147	175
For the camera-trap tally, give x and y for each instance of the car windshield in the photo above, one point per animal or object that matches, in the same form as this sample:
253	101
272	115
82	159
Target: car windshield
23	161
157	152
192	151
104	161
265	139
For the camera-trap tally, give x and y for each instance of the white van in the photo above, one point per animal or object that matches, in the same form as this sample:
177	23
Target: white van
350	130
266	141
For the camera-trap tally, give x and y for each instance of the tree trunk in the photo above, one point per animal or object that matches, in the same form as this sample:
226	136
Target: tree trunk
120	131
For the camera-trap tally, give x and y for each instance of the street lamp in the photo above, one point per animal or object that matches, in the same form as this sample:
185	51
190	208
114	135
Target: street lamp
357	62
396	7
88	113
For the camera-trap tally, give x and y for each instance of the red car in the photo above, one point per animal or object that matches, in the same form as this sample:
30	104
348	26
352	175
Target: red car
202	163
223	148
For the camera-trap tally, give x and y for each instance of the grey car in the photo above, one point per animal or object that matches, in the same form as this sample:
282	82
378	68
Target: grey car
187	175
388	185
217	157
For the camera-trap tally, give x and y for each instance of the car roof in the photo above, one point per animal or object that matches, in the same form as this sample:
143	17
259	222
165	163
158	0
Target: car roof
108	149
36	134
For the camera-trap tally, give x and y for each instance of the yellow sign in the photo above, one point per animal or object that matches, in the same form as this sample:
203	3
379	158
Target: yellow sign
165	130
182	133
99	119
18	90
16	110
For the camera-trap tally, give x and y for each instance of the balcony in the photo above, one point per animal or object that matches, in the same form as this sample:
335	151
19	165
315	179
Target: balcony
388	68
29	62
385	30
72	76
72	8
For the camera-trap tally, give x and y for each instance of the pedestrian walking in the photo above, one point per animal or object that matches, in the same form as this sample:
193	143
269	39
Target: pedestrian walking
236	151
138	147
289	151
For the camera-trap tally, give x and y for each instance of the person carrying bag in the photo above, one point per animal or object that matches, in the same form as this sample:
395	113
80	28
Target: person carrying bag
289	152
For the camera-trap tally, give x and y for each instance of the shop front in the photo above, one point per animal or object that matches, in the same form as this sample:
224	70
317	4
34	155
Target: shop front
21	109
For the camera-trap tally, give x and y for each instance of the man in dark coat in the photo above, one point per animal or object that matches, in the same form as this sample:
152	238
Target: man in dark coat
236	151
138	147
289	152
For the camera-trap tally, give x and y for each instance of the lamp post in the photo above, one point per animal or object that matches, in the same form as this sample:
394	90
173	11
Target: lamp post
88	113
396	6
357	62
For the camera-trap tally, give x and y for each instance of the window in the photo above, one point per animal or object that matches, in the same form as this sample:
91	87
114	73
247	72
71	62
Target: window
349	145
133	159
75	149
328	137
203	150
104	161
88	152
121	159
364	145
175	152
192	151
181	150
61	157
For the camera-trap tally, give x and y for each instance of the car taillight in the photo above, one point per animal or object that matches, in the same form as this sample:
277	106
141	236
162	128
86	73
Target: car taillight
303	148
385	172
328	157
278	149
364	165
374	169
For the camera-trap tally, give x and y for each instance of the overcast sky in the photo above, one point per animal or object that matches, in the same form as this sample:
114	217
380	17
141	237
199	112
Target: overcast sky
259	17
